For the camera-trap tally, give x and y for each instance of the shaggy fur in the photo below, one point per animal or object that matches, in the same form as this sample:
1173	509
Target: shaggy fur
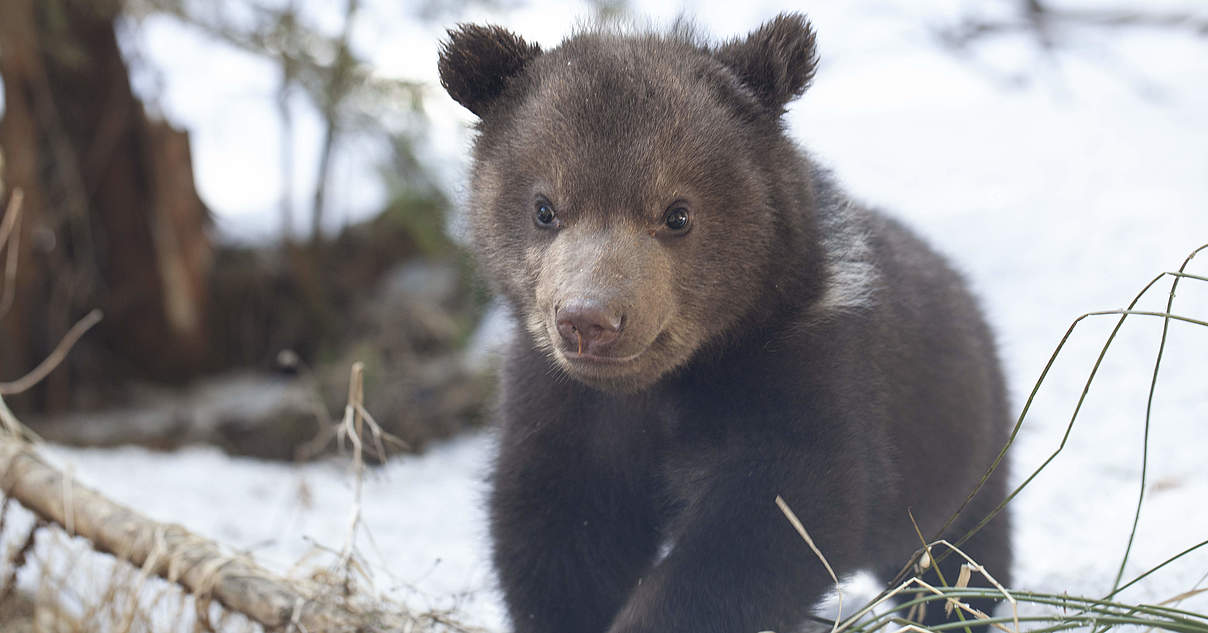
707	323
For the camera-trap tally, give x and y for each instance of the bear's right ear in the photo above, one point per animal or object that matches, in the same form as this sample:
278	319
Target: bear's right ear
477	62
776	62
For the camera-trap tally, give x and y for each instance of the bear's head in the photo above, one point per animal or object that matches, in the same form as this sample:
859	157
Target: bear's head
629	195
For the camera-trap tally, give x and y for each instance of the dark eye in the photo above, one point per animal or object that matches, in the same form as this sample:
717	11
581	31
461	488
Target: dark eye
544	214
677	219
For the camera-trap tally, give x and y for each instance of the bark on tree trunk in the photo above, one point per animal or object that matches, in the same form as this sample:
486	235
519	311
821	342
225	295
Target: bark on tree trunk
111	215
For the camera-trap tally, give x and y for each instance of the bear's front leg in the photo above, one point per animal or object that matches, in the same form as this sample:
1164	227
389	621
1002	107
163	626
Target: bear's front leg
737	565
571	534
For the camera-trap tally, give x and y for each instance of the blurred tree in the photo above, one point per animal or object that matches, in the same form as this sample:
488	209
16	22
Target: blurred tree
348	96
110	218
1040	18
1048	25
297	302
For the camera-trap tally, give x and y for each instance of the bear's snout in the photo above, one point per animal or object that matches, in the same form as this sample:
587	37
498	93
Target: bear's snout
588	327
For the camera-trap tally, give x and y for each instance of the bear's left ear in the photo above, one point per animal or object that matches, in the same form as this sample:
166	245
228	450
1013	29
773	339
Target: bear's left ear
776	62
477	62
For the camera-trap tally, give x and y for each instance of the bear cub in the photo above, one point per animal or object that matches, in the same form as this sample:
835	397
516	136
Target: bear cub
706	322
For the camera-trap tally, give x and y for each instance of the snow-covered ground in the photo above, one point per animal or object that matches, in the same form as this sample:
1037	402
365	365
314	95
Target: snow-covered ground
1060	197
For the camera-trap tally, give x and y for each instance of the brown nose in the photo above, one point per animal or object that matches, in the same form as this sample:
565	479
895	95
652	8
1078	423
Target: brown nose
587	327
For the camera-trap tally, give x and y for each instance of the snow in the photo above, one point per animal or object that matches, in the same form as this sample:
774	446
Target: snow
423	514
1057	197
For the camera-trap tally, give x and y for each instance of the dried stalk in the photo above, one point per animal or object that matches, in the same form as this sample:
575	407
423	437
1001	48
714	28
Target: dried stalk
10	228
48	365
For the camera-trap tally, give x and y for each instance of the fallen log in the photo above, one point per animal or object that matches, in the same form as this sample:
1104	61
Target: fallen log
201	566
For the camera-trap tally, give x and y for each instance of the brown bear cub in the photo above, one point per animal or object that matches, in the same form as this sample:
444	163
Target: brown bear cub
706	322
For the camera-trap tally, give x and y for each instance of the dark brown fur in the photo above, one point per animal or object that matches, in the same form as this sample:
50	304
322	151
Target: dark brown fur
667	384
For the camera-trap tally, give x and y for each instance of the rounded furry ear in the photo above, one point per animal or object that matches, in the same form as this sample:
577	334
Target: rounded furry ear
477	61
776	62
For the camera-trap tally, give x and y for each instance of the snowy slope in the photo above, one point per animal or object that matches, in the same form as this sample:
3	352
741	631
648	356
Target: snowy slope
1057	198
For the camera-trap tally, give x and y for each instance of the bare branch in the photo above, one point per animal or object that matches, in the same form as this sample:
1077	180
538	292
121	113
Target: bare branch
48	365
199	565
10	227
1039	19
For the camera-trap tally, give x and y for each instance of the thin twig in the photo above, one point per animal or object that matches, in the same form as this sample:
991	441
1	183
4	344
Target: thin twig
335	93
1039	20
949	597
11	227
48	365
792	517
9	224
353	429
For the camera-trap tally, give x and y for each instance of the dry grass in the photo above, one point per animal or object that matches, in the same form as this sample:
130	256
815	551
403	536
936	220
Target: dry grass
10	235
165	579
158	578
1057	612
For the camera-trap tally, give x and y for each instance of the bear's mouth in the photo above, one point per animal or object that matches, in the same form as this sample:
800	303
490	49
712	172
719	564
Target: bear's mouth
587	365
621	373
580	360
590	360
610	373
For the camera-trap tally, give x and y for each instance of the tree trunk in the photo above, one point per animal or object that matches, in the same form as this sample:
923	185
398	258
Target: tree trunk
111	216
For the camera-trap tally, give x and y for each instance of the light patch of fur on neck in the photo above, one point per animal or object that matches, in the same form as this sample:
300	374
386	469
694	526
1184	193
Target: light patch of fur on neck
851	275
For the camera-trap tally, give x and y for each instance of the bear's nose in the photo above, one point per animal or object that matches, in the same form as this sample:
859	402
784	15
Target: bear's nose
587	327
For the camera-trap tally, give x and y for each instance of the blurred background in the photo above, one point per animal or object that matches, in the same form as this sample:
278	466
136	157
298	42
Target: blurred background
259	192
270	186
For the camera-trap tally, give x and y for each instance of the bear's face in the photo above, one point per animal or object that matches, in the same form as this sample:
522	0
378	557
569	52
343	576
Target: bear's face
615	201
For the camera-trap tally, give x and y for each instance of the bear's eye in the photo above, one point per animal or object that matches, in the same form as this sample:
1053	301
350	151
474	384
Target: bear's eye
544	214
677	219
